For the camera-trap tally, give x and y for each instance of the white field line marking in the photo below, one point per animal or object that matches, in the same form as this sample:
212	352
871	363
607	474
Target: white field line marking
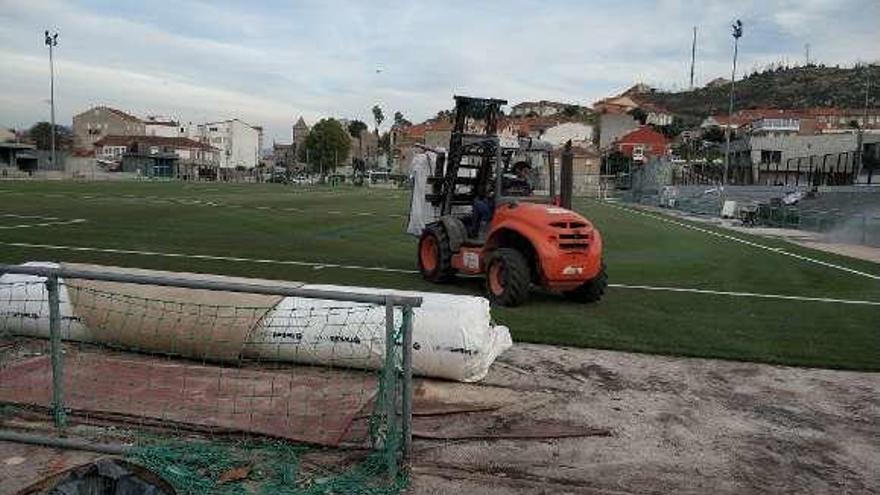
29	217
745	294
44	224
202	202
208	257
749	243
52	221
319	266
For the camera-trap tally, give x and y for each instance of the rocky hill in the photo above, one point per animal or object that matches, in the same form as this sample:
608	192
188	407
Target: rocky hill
794	87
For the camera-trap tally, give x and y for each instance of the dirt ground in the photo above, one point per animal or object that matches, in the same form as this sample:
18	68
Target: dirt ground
675	425
570	421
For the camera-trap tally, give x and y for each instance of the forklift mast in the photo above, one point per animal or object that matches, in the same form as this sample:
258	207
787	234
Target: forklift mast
464	180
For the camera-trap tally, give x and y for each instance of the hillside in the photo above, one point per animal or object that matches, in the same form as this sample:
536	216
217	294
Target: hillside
796	87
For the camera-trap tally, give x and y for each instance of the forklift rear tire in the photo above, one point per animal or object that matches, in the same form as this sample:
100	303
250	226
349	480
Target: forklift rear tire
435	254
508	278
591	290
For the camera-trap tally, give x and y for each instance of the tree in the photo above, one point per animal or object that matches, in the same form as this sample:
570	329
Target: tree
385	142
640	115
445	115
378	116
571	111
674	129
41	135
714	135
400	120
326	146
356	129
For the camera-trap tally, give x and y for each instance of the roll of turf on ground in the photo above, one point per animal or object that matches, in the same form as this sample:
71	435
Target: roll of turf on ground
453	335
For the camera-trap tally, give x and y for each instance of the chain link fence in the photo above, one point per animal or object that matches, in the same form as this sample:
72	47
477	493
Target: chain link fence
833	214
218	385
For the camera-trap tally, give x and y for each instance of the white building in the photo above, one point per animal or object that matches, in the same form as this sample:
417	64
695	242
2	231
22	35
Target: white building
771	126
238	142
577	132
6	134
155	125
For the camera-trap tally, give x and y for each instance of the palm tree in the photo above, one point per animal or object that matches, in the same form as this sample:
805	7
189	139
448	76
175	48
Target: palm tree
356	129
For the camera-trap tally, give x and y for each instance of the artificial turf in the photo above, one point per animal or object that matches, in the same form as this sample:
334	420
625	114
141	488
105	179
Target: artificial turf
365	227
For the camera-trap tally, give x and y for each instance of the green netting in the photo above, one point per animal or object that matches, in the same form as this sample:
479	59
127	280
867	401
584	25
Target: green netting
197	402
259	467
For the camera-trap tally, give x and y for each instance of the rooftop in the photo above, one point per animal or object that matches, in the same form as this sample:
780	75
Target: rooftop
120	113
168	142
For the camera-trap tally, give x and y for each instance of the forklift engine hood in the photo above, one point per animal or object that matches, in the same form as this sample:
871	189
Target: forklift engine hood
568	246
543	217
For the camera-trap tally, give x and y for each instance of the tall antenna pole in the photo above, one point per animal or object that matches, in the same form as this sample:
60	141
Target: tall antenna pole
737	34
693	56
807	50
51	42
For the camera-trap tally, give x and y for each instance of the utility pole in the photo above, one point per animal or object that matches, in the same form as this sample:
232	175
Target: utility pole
693	56
737	34
860	137
51	42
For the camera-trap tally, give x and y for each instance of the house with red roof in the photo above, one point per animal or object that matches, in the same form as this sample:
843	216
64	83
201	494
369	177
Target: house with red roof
113	148
643	143
100	121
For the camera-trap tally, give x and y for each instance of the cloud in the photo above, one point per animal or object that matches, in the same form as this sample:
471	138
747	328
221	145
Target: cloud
269	62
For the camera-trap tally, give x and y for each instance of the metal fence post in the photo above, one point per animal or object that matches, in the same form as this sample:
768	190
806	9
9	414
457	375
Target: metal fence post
56	351
388	395
407	381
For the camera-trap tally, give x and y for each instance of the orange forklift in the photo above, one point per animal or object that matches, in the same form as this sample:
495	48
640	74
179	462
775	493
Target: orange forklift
489	222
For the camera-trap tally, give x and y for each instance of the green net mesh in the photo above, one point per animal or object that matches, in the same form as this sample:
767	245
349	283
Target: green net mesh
169	377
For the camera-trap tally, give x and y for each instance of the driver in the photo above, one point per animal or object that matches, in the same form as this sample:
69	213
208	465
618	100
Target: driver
520	183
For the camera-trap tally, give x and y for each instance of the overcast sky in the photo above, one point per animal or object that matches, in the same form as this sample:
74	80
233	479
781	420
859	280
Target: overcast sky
269	62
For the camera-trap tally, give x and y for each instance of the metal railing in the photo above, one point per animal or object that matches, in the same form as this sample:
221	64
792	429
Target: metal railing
395	392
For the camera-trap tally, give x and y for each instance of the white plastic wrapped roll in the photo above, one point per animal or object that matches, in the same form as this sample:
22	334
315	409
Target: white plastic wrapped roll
453	335
24	307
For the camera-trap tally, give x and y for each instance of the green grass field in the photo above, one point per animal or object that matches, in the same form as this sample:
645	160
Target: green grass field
364	228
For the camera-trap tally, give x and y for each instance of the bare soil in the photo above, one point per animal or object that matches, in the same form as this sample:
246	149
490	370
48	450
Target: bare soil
676	425
564	420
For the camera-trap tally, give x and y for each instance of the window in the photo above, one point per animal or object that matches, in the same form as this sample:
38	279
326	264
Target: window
771	156
162	170
639	152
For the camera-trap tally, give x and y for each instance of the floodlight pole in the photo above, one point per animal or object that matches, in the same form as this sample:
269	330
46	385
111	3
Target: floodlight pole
860	136
737	34
52	41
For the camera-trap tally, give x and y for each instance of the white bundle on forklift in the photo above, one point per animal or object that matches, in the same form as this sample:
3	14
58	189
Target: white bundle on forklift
453	335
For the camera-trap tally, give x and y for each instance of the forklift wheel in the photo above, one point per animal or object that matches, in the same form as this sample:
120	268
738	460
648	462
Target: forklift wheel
435	255
591	290
507	277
